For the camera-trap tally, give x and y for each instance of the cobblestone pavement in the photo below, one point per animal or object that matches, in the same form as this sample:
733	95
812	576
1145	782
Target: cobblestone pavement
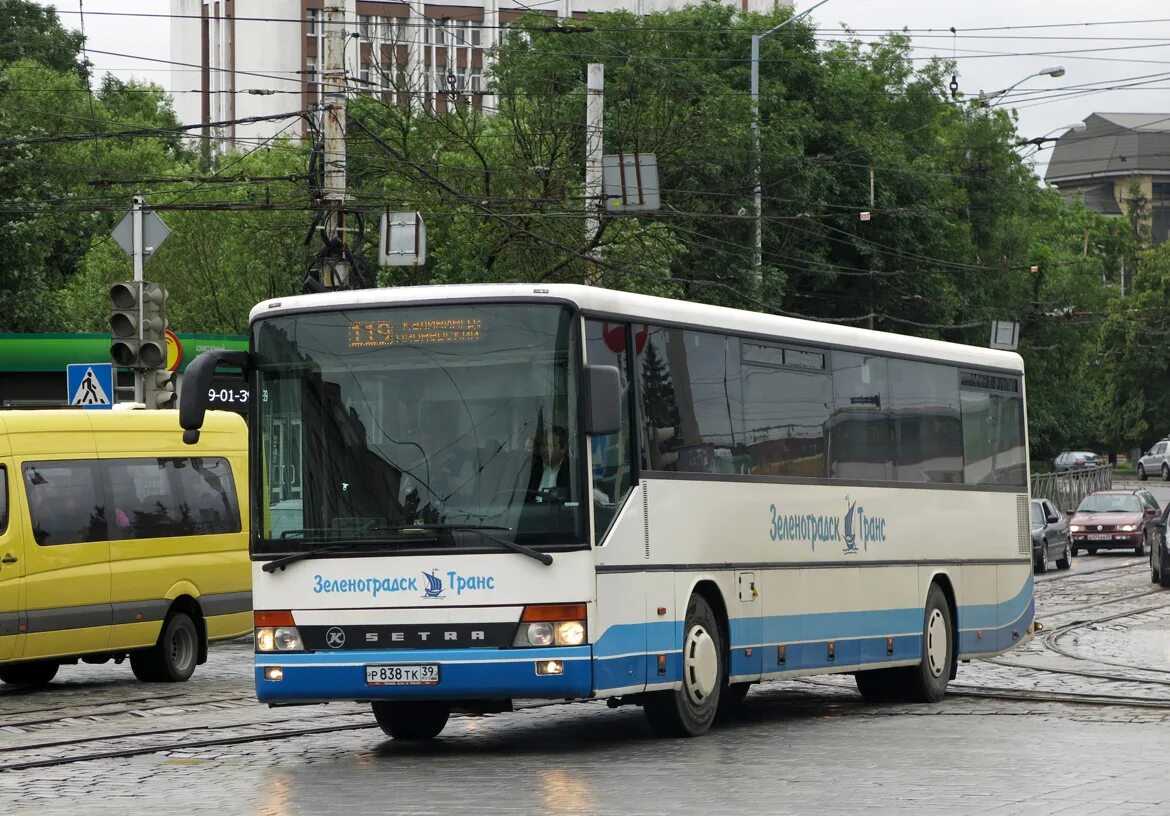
1076	722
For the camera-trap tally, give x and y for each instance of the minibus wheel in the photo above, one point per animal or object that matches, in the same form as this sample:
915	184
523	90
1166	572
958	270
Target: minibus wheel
29	674
689	711
172	659
412	721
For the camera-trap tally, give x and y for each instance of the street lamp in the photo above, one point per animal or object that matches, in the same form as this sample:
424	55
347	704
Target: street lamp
759	193
985	99
1075	127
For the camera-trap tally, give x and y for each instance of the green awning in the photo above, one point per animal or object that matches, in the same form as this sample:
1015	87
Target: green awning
52	352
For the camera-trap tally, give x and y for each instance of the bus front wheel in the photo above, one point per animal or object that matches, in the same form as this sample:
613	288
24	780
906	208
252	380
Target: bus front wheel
689	711
927	682
412	721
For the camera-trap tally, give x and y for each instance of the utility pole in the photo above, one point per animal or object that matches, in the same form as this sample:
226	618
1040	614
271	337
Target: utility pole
139	262
758	223
594	113
335	271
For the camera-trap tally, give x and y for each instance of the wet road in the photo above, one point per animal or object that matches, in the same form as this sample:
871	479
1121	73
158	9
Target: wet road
1076	722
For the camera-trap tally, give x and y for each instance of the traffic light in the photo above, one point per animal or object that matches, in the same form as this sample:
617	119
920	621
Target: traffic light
158	389
153	351
138	324
125	298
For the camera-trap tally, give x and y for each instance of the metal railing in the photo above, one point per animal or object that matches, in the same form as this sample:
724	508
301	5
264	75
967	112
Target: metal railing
1066	490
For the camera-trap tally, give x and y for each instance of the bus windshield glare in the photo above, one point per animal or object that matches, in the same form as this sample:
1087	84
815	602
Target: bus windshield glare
415	428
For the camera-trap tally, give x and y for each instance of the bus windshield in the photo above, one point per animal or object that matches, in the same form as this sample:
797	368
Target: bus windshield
405	429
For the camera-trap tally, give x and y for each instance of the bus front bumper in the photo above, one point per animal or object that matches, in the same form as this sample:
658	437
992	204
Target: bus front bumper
463	674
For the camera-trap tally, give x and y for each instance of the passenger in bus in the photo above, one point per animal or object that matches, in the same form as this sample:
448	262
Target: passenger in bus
550	467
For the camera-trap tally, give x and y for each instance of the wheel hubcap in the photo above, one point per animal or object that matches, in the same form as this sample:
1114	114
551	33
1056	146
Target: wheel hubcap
700	665
937	647
182	649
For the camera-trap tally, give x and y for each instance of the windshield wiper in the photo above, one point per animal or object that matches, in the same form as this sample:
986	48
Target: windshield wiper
482	529
332	546
336	546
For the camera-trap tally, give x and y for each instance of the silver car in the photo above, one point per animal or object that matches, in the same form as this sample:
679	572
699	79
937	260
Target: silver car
1156	460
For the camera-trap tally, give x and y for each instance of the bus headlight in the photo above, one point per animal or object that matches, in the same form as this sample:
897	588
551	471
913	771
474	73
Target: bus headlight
552	625
279	639
570	633
540	634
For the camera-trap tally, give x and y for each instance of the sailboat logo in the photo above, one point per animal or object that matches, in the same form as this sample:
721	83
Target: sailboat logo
434	587
850	535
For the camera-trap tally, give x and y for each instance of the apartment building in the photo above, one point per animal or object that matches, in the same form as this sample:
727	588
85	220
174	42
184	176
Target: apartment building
245	58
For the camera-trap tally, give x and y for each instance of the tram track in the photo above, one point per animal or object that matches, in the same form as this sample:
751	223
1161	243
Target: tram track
186	745
168	732
173	700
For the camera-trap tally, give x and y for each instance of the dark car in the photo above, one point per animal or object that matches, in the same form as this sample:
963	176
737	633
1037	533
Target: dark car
1160	550
1113	520
1077	460
1050	537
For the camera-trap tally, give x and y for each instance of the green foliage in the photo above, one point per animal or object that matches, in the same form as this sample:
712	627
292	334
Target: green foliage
31	31
954	222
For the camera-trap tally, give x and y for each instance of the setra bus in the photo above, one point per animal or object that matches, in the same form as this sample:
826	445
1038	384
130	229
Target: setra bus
468	496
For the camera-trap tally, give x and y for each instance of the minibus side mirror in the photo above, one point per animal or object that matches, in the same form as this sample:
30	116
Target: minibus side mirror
196	383
603	403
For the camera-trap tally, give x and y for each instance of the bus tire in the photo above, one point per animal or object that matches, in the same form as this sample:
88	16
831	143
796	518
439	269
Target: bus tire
38	673
689	711
731	698
416	720
173	658
927	682
880	685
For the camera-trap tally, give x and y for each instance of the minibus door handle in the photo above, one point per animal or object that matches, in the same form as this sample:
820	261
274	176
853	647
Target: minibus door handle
9	559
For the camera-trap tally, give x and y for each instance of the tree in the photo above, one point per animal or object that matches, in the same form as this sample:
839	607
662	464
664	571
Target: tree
32	31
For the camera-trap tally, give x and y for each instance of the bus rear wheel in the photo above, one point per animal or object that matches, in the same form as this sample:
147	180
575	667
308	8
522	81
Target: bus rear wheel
39	673
927	682
419	721
172	659
689	711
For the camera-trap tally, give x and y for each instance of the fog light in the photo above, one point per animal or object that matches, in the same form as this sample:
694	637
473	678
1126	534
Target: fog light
273	673
546	667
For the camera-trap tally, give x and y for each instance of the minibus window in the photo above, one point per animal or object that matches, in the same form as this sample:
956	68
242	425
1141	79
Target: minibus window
3	499
63	502
209	495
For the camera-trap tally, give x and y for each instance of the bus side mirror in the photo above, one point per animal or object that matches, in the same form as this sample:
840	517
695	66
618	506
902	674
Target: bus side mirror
603	403
196	383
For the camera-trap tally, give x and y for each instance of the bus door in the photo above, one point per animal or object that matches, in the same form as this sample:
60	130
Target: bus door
67	558
11	573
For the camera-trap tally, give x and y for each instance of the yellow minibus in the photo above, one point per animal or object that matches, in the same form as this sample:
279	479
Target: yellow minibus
118	541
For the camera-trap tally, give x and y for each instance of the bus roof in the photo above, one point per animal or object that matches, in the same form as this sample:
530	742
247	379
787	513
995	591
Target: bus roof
635	307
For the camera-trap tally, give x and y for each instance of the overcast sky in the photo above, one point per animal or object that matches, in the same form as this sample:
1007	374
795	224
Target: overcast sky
1101	55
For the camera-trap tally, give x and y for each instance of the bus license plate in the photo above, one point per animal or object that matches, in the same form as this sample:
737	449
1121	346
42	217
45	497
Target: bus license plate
421	674
1099	537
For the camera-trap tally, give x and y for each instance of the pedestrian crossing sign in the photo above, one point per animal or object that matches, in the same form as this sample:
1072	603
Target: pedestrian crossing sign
90	385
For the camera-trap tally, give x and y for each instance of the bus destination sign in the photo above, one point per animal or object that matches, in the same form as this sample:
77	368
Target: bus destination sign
386	333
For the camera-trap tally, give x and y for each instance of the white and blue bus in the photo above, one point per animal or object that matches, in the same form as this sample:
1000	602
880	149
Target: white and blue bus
469	496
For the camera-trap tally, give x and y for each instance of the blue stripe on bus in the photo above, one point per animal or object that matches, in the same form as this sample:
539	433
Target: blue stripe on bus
476	674
626	653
